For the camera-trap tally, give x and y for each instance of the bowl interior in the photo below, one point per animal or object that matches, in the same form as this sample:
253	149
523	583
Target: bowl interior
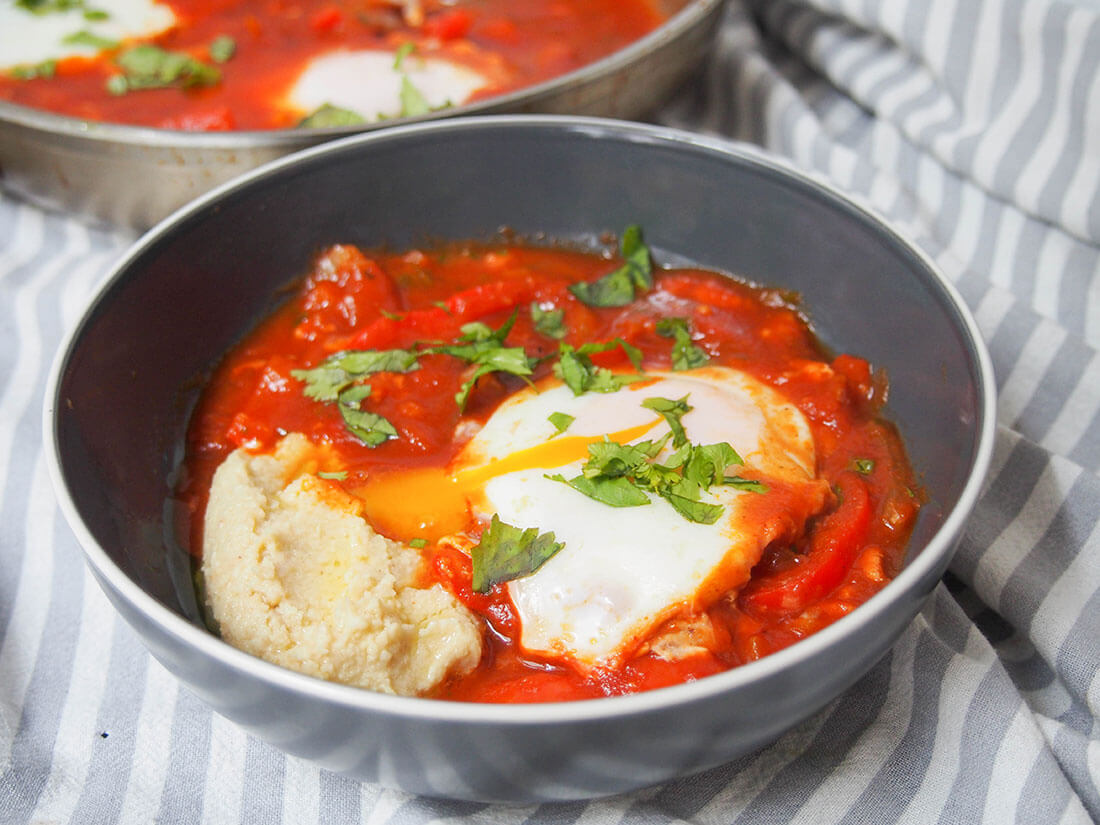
193	286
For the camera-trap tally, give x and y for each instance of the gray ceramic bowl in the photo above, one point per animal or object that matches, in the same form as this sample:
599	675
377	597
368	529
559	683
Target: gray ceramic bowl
124	383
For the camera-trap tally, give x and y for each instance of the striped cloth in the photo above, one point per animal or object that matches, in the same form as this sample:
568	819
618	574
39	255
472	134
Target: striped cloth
975	126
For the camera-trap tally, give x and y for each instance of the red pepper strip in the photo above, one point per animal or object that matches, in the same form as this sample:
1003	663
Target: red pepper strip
448	25
444	323
834	546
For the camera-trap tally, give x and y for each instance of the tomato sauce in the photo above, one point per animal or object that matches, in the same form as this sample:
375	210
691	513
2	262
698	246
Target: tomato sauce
395	300
516	44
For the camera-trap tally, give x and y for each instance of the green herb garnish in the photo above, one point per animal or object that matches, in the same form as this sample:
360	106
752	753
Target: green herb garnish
621	475
222	49
549	322
87	38
326	381
864	466
685	354
327	116
576	370
45	69
506	553
418	543
618	288
483	346
335	475
370	428
150	67
561	421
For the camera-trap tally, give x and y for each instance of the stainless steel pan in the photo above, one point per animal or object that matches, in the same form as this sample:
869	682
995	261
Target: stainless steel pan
134	176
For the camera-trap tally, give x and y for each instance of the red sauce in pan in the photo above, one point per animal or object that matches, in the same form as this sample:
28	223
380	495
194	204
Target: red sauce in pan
516	42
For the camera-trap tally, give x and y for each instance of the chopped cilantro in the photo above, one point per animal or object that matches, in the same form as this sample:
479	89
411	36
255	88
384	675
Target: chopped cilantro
327	116
222	49
370	428
685	354
619	287
561	421
336	475
326	381
418	543
45	69
864	466
576	370
87	38
506	553
548	322
672	412
146	66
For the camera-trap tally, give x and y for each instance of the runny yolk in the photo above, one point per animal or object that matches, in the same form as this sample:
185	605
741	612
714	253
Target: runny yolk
432	502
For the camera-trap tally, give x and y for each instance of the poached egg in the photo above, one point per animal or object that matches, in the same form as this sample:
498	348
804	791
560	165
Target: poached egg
623	571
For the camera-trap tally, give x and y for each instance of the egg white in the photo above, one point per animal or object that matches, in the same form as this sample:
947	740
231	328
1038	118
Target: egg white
368	83
27	38
623	571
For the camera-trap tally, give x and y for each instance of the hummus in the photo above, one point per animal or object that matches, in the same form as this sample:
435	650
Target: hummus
295	575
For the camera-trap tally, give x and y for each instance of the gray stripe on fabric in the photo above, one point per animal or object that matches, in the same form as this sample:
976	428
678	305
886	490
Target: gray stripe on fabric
1081	270
264	782
1045	794
1030	132
1056	386
25	426
1005	77
1072	525
1010	339
32	747
792	786
116	727
1074	147
956	70
417	810
988	719
185	779
1086	452
1029	246
340	799
557	813
899	777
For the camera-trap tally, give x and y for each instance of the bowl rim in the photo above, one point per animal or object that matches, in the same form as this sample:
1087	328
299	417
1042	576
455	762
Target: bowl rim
913	576
693	13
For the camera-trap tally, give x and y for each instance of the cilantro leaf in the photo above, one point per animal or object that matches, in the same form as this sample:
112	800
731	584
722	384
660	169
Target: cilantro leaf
615	492
708	462
672	412
335	475
45	69
328	379
327	116
146	66
370	428
576	370
90	39
222	49
685	354
548	322
746	484
561	421
418	543
693	510
863	466
619	287
506	553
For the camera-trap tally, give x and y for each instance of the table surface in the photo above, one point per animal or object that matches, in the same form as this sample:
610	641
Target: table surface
974	126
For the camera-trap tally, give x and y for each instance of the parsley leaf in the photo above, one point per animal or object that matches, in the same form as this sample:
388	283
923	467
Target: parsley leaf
685	355
506	553
548	322
619	287
672	412
561	421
